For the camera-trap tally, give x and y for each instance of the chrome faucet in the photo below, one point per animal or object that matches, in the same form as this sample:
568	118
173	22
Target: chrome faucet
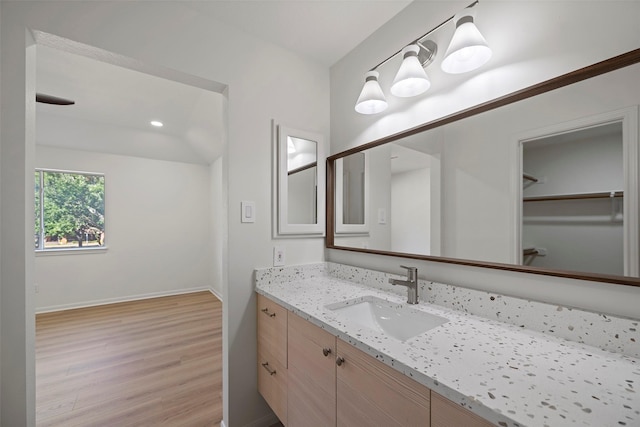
411	283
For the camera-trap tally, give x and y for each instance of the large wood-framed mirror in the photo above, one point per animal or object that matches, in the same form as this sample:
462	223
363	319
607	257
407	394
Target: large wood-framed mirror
459	192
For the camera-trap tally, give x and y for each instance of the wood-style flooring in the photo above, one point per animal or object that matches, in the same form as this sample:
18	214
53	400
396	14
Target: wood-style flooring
154	362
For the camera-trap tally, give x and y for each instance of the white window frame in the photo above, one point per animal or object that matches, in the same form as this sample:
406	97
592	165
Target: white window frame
40	250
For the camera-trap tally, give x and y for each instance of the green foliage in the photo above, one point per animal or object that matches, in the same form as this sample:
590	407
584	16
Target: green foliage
73	205
37	204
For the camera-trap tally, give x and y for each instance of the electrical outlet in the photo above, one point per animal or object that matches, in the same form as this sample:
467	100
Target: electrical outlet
278	256
37	288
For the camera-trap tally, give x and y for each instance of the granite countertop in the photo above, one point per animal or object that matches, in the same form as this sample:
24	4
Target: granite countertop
508	375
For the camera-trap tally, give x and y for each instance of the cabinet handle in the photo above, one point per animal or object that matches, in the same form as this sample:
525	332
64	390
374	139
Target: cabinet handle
326	351
265	365
266	311
339	360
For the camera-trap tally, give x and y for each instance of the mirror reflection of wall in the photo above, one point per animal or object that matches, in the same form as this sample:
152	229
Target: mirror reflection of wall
302	180
353	184
410	200
573	201
404	201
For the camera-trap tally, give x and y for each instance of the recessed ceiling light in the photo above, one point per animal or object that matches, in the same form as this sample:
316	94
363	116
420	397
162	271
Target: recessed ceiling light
156	123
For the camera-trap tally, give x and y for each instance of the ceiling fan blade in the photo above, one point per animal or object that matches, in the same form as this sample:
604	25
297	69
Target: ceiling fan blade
50	99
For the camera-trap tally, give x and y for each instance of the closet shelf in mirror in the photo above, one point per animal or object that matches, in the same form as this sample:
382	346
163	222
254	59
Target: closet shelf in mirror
533	251
302	168
599	195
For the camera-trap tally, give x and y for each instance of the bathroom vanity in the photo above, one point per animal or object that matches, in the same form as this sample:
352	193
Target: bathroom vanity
320	362
323	380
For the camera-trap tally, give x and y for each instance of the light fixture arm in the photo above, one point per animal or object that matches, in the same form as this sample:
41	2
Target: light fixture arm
420	39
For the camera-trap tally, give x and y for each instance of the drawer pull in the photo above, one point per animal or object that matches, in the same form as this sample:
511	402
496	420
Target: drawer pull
339	360
326	351
265	365
266	311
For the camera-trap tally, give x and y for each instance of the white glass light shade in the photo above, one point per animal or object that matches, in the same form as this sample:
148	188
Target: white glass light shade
411	79
371	99
468	50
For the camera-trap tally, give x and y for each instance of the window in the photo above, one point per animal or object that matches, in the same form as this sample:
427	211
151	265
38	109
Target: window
69	210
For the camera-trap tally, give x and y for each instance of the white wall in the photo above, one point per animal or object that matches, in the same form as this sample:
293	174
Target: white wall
167	34
18	322
301	198
411	211
532	41
157	232
1	223
218	235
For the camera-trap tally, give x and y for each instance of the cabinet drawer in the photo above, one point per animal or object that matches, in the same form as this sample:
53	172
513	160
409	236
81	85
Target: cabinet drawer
373	394
272	329
312	374
445	413
272	384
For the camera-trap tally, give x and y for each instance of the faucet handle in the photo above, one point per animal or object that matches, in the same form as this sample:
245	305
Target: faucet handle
412	272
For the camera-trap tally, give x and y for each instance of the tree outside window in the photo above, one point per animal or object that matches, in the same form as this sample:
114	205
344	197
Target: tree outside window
69	210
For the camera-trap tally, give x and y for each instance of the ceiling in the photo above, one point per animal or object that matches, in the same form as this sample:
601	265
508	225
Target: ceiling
321	30
115	104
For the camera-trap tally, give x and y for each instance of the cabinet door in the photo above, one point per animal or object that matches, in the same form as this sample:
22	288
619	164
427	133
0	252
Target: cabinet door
312	375
272	384
272	355
445	413
370	393
272	329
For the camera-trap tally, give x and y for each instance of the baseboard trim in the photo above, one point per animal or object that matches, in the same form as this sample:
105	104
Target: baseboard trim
216	294
62	307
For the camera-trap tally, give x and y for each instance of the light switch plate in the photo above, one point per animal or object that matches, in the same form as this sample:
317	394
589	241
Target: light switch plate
278	256
248	211
382	216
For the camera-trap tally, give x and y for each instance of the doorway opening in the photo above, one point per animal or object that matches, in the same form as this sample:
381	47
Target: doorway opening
164	192
578	199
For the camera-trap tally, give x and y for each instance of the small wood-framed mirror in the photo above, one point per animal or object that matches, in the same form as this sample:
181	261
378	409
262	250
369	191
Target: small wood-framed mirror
299	183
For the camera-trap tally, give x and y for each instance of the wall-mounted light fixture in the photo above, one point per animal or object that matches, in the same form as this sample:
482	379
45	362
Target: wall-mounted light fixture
411	79
467	51
371	100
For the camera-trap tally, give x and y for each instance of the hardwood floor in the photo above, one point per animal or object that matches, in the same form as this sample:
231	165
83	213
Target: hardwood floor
155	362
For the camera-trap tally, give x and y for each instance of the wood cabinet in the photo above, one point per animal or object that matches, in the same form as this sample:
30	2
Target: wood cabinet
319	380
371	393
312	374
361	391
272	355
445	413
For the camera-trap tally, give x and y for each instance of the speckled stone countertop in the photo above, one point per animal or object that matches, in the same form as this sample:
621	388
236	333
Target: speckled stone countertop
508	375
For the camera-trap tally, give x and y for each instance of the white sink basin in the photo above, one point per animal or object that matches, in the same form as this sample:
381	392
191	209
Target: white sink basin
396	320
